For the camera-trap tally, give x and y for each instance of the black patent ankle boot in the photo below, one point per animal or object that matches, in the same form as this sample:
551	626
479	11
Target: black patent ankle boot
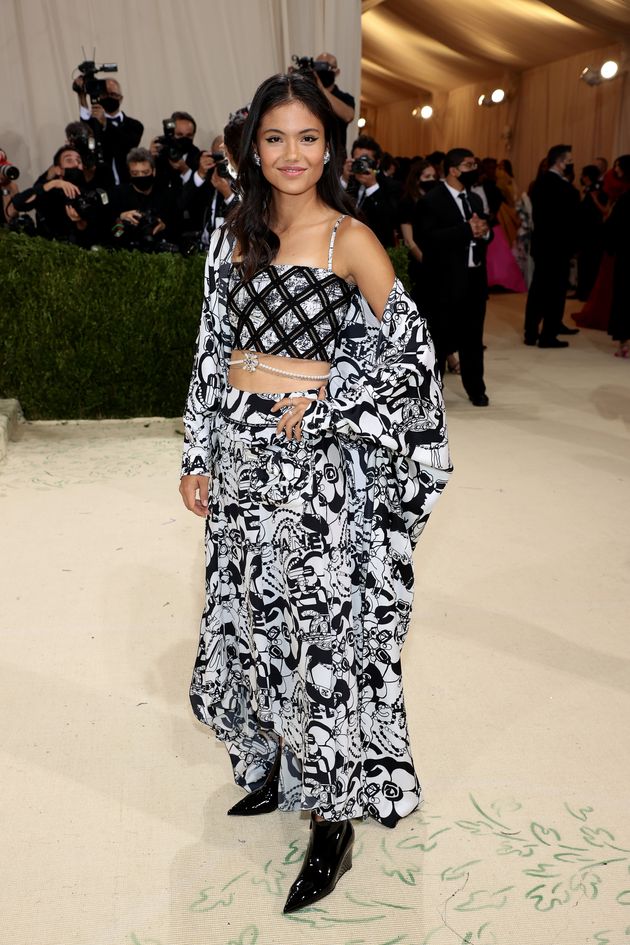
328	857
265	799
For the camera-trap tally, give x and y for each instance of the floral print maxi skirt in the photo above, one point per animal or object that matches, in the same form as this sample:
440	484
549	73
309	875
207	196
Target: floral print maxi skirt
309	588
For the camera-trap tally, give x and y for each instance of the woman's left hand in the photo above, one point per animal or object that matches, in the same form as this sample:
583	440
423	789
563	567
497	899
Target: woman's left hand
291	422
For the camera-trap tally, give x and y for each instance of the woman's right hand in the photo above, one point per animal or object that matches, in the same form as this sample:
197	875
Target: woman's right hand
194	492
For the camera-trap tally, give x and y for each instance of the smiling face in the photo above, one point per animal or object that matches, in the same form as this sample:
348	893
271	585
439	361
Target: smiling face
291	145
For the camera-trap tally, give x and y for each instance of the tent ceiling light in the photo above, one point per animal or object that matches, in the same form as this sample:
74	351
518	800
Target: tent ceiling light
492	98
609	69
426	111
361	123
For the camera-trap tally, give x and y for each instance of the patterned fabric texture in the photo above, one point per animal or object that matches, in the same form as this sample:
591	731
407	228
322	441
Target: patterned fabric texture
294	311
309	558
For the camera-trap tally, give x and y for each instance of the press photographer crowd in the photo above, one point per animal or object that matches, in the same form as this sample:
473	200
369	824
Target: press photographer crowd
466	224
103	189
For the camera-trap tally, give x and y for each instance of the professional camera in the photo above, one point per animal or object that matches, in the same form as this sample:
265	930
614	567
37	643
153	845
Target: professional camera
306	65
89	200
363	165
23	223
221	164
140	235
171	147
92	86
8	170
89	147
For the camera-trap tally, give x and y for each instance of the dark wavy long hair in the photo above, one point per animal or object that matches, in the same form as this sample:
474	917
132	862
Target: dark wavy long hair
249	222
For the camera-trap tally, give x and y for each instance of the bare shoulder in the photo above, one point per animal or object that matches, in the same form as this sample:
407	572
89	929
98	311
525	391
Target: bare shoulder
355	239
361	258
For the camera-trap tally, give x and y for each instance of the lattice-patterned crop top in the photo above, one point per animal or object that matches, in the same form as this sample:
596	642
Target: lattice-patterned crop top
295	311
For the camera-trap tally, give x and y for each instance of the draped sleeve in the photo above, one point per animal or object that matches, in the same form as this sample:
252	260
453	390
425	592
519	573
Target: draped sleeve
207	382
384	390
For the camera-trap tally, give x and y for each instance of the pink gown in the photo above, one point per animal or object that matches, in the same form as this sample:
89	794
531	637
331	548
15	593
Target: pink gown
503	269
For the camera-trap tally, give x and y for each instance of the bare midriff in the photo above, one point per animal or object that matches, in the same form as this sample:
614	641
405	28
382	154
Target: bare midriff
267	382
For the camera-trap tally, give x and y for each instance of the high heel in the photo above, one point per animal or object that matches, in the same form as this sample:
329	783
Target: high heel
265	799
328	857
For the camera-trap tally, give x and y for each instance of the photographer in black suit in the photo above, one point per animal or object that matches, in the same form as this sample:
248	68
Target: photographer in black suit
374	193
67	208
208	195
454	234
115	131
176	155
146	213
555	211
342	103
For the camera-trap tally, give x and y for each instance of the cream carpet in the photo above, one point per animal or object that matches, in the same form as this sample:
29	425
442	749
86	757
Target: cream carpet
517	679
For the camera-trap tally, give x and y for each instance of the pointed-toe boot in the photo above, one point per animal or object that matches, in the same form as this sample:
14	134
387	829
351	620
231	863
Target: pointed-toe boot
328	857
265	799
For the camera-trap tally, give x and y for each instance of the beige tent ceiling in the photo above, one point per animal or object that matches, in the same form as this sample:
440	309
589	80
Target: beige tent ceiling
415	45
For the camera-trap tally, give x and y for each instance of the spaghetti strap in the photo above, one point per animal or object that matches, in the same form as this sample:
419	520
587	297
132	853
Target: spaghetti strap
332	240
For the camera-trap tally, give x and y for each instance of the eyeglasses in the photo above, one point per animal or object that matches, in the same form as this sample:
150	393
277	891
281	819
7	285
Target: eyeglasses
468	167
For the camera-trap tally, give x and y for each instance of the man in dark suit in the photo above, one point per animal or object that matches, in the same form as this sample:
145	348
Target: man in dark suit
454	234
375	194
116	131
207	197
342	103
177	158
555	210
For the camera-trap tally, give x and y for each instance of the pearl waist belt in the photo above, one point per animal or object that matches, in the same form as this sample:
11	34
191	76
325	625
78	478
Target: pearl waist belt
251	363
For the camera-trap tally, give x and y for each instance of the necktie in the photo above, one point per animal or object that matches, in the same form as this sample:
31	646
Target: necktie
115	121
476	248
464	199
361	196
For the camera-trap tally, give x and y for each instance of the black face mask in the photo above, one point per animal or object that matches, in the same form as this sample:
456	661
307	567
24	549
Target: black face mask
327	77
428	185
143	184
74	175
568	169
111	105
469	178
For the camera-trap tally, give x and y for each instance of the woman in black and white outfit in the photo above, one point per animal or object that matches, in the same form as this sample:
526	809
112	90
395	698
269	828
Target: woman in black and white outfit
316	448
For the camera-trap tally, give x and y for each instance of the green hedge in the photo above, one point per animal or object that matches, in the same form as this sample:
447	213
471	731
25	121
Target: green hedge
98	334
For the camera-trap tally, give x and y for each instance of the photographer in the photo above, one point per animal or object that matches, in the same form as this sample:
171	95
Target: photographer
209	194
342	103
67	209
8	185
115	131
97	172
374	193
145	213
324	69
176	156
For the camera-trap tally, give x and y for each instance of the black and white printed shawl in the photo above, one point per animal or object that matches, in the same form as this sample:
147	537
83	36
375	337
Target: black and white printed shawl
383	389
